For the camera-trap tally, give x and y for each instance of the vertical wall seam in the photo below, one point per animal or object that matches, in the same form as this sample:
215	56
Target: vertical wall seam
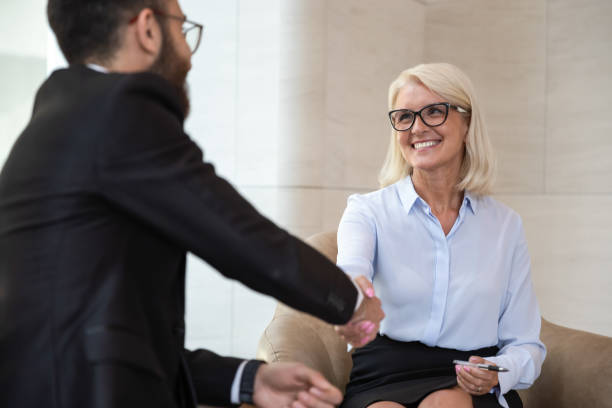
546	109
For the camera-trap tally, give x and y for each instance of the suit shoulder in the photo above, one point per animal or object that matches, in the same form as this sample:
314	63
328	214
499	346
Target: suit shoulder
142	104
83	92
147	89
128	113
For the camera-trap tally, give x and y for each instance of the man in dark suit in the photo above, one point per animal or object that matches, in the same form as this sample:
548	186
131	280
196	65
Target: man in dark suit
100	199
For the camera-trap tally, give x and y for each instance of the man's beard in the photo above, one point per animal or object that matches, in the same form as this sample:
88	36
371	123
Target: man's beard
174	70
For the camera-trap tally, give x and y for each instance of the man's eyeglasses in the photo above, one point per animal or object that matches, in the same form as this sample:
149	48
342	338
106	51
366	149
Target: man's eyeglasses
432	115
191	30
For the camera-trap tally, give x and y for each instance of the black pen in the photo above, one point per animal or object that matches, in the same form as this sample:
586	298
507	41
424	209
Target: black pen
483	366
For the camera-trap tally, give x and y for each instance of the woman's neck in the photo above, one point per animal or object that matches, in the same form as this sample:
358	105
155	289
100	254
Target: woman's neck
439	189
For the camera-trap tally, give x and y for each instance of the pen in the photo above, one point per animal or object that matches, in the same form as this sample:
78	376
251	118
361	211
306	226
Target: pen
483	366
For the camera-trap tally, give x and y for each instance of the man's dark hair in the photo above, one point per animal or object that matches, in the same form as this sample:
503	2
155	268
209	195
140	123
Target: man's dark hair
90	29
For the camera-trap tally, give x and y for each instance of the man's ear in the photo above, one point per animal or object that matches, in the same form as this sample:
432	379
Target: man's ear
148	32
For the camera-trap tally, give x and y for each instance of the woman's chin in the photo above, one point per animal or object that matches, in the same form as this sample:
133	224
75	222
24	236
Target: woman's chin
426	165
434	163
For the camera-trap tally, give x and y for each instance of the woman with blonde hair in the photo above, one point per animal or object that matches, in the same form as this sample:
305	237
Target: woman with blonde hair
449	263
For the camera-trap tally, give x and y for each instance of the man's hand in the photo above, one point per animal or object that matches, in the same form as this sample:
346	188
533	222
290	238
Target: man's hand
364	324
293	385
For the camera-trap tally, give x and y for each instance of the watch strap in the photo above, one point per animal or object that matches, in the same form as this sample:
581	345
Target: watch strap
247	382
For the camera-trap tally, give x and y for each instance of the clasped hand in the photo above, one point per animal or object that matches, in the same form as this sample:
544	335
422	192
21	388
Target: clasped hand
364	324
293	385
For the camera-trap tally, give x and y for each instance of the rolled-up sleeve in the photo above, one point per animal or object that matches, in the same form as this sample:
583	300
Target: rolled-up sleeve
521	350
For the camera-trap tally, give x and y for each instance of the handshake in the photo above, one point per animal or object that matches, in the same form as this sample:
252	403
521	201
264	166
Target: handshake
364	325
297	386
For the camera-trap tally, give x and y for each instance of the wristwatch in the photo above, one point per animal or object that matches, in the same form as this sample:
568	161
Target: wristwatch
247	382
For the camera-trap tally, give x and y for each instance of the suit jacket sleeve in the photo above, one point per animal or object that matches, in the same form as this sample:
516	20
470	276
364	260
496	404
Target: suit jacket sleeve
212	376
149	168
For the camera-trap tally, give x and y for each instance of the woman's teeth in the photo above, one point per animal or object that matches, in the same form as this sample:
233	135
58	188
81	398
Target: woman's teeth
425	144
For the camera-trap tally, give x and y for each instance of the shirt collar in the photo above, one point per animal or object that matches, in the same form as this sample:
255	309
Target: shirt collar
98	68
409	197
407	194
471	201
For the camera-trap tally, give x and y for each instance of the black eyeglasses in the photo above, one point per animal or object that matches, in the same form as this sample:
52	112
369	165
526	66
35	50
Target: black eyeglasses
191	30
432	115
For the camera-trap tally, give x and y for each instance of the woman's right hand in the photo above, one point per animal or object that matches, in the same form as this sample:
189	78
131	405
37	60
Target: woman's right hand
364	325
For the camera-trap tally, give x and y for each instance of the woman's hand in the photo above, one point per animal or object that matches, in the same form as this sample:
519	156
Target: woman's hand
364	324
476	381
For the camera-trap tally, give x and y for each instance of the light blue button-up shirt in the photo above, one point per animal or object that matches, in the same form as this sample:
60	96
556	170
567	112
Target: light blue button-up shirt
466	290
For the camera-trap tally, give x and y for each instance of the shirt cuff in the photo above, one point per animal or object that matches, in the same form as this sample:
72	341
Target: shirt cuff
359	295
235	394
507	380
360	298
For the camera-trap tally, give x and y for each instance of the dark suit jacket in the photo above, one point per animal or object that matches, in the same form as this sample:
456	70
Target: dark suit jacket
101	196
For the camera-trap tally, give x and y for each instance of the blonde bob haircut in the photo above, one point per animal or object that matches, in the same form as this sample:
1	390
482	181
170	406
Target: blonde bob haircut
448	81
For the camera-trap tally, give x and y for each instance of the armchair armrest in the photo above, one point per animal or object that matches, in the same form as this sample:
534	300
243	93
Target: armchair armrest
577	371
296	336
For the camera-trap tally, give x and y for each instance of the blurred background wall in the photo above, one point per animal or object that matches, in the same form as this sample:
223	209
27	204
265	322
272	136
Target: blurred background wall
23	45
289	103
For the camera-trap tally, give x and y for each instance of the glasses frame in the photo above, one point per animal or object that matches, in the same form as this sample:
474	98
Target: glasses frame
185	30
418	113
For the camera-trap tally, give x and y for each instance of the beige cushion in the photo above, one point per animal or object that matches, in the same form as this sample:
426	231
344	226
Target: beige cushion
576	373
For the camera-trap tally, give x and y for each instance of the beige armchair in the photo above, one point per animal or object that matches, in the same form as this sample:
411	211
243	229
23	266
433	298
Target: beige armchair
577	371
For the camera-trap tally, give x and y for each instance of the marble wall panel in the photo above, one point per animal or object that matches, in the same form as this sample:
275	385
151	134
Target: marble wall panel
257	97
23	28
502	47
295	209
579	133
300	208
250	315
569	240
303	59
334	204
209	302
368	46
213	82
264	199
20	78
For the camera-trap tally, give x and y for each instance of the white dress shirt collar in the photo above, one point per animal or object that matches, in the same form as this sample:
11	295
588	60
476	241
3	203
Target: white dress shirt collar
98	68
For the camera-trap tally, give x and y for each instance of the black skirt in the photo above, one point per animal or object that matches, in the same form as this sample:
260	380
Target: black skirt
406	372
